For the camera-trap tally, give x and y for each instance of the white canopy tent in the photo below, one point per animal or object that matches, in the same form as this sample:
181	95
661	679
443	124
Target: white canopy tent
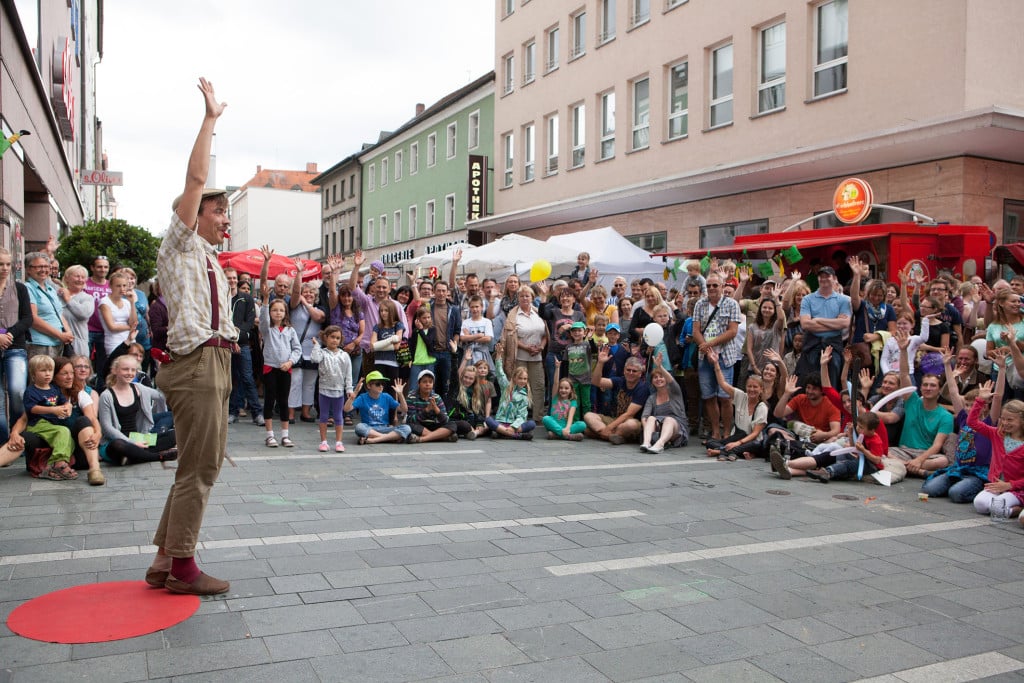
613	255
512	254
442	260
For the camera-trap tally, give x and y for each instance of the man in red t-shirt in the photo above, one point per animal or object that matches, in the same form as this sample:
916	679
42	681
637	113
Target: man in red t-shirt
809	415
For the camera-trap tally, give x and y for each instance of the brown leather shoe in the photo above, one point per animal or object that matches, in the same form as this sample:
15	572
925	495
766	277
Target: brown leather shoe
204	585
156	577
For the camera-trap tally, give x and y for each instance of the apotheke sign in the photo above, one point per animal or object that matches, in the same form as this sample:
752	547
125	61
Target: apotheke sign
102	177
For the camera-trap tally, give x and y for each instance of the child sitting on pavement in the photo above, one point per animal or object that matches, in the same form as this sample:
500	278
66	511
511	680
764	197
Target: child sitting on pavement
868	444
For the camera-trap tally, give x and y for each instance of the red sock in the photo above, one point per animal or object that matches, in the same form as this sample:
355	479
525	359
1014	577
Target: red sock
185	569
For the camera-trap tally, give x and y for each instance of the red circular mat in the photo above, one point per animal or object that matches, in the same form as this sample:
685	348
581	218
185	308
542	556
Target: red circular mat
100	612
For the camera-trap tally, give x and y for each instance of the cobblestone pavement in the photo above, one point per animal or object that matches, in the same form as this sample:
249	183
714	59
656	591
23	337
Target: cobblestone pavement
526	561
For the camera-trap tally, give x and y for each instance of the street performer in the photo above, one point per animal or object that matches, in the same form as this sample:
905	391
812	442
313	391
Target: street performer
201	338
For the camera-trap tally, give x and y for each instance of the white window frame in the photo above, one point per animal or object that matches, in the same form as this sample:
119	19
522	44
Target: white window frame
641	112
399	165
725	99
382	227
552	43
396	226
508	73
769	84
473	132
449	212
431	217
529	61
672	4
641	13
678	118
836	63
413	217
606	107
451	139
529	152
551	145
431	150
509	152
414	158
372	180
385	172
606	15
579	35
509	7
579	135
369	232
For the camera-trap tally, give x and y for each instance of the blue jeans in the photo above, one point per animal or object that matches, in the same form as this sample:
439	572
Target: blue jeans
709	382
363	430
13	381
442	373
959	490
243	386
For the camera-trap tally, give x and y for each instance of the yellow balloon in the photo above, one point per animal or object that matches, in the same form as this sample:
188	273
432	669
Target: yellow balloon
540	271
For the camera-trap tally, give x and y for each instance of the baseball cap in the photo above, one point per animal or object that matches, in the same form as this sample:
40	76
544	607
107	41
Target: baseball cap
578	325
375	376
207	192
827	270
423	374
612	326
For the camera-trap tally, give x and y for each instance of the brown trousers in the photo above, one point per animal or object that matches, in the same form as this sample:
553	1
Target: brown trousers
197	387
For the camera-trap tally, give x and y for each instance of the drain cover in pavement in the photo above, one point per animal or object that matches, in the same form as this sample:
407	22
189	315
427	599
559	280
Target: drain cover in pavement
777	492
843	496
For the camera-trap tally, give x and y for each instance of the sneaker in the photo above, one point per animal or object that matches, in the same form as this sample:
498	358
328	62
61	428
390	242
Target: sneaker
643	448
258	421
339	447
655	449
322	447
471	434
287	443
779	463
525	436
271	442
232	419
821	474
616	440
575	437
453	437
999	511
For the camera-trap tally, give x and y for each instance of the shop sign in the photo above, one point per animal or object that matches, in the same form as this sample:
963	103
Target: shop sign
435	248
477	187
62	91
102	177
852	200
393	257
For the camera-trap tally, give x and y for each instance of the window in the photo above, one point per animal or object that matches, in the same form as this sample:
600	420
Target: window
651	241
579	35
509	6
642	113
334	189
528	153
383	230
352	237
641	12
529	62
608	125
473	140
384	173
723	234
678	100
341	192
579	135
327	196
771	88
340	249
551	62
369	232
830	41
671	4
721	86
451	139
399	165
449	212
352	185
413	225
372	180
431	149
508	72
414	158
607	29
396	226
430	216
551	144
509	145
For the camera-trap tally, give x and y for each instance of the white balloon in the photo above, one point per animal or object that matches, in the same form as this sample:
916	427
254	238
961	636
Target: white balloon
653	334
905	391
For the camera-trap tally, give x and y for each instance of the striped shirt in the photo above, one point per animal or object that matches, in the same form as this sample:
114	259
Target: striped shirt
185	283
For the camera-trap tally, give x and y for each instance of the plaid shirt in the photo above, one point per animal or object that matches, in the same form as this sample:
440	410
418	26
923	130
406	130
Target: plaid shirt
185	283
728	311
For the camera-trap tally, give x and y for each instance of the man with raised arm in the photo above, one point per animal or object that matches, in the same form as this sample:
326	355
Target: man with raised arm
201	338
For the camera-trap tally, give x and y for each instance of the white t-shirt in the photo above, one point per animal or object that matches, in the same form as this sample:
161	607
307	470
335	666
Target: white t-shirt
111	340
84	399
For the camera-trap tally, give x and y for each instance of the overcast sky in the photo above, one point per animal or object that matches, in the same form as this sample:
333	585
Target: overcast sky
305	80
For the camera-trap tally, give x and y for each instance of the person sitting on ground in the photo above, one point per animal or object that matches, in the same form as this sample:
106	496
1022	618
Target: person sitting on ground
564	408
375	407
472	404
629	395
47	408
127	408
512	417
1003	494
867	444
812	418
664	415
750	417
428	416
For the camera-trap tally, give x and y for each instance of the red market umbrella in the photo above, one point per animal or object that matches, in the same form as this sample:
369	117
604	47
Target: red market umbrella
251	262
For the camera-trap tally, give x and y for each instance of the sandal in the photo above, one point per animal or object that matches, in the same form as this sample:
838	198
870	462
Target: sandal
731	457
61	472
362	441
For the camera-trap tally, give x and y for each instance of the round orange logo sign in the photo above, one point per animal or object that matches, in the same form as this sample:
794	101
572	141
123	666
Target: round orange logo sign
852	200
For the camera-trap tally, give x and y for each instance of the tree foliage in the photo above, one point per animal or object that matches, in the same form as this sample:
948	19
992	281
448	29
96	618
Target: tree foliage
122	243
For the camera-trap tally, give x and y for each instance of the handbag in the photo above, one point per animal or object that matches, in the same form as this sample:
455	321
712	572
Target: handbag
403	354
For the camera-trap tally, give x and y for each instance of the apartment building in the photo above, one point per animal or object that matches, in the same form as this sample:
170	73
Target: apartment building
339	212
683	123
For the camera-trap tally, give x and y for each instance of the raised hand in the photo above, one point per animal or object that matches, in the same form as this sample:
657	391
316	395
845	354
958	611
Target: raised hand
300	265
267	252
791	385
826	355
399	386
902	340
866	380
359	259
986	390
213	108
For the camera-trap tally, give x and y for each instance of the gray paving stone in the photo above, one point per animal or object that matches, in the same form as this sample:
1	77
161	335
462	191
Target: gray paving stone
279	620
947	640
391	608
858	621
631	629
466	655
447	627
541	614
809	630
474	598
368	637
18	652
803	666
289	646
293	672
643	660
202	629
719	615
398	664
368	576
735	672
567	670
108	669
334	595
564	587
211	657
875	654
296	583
